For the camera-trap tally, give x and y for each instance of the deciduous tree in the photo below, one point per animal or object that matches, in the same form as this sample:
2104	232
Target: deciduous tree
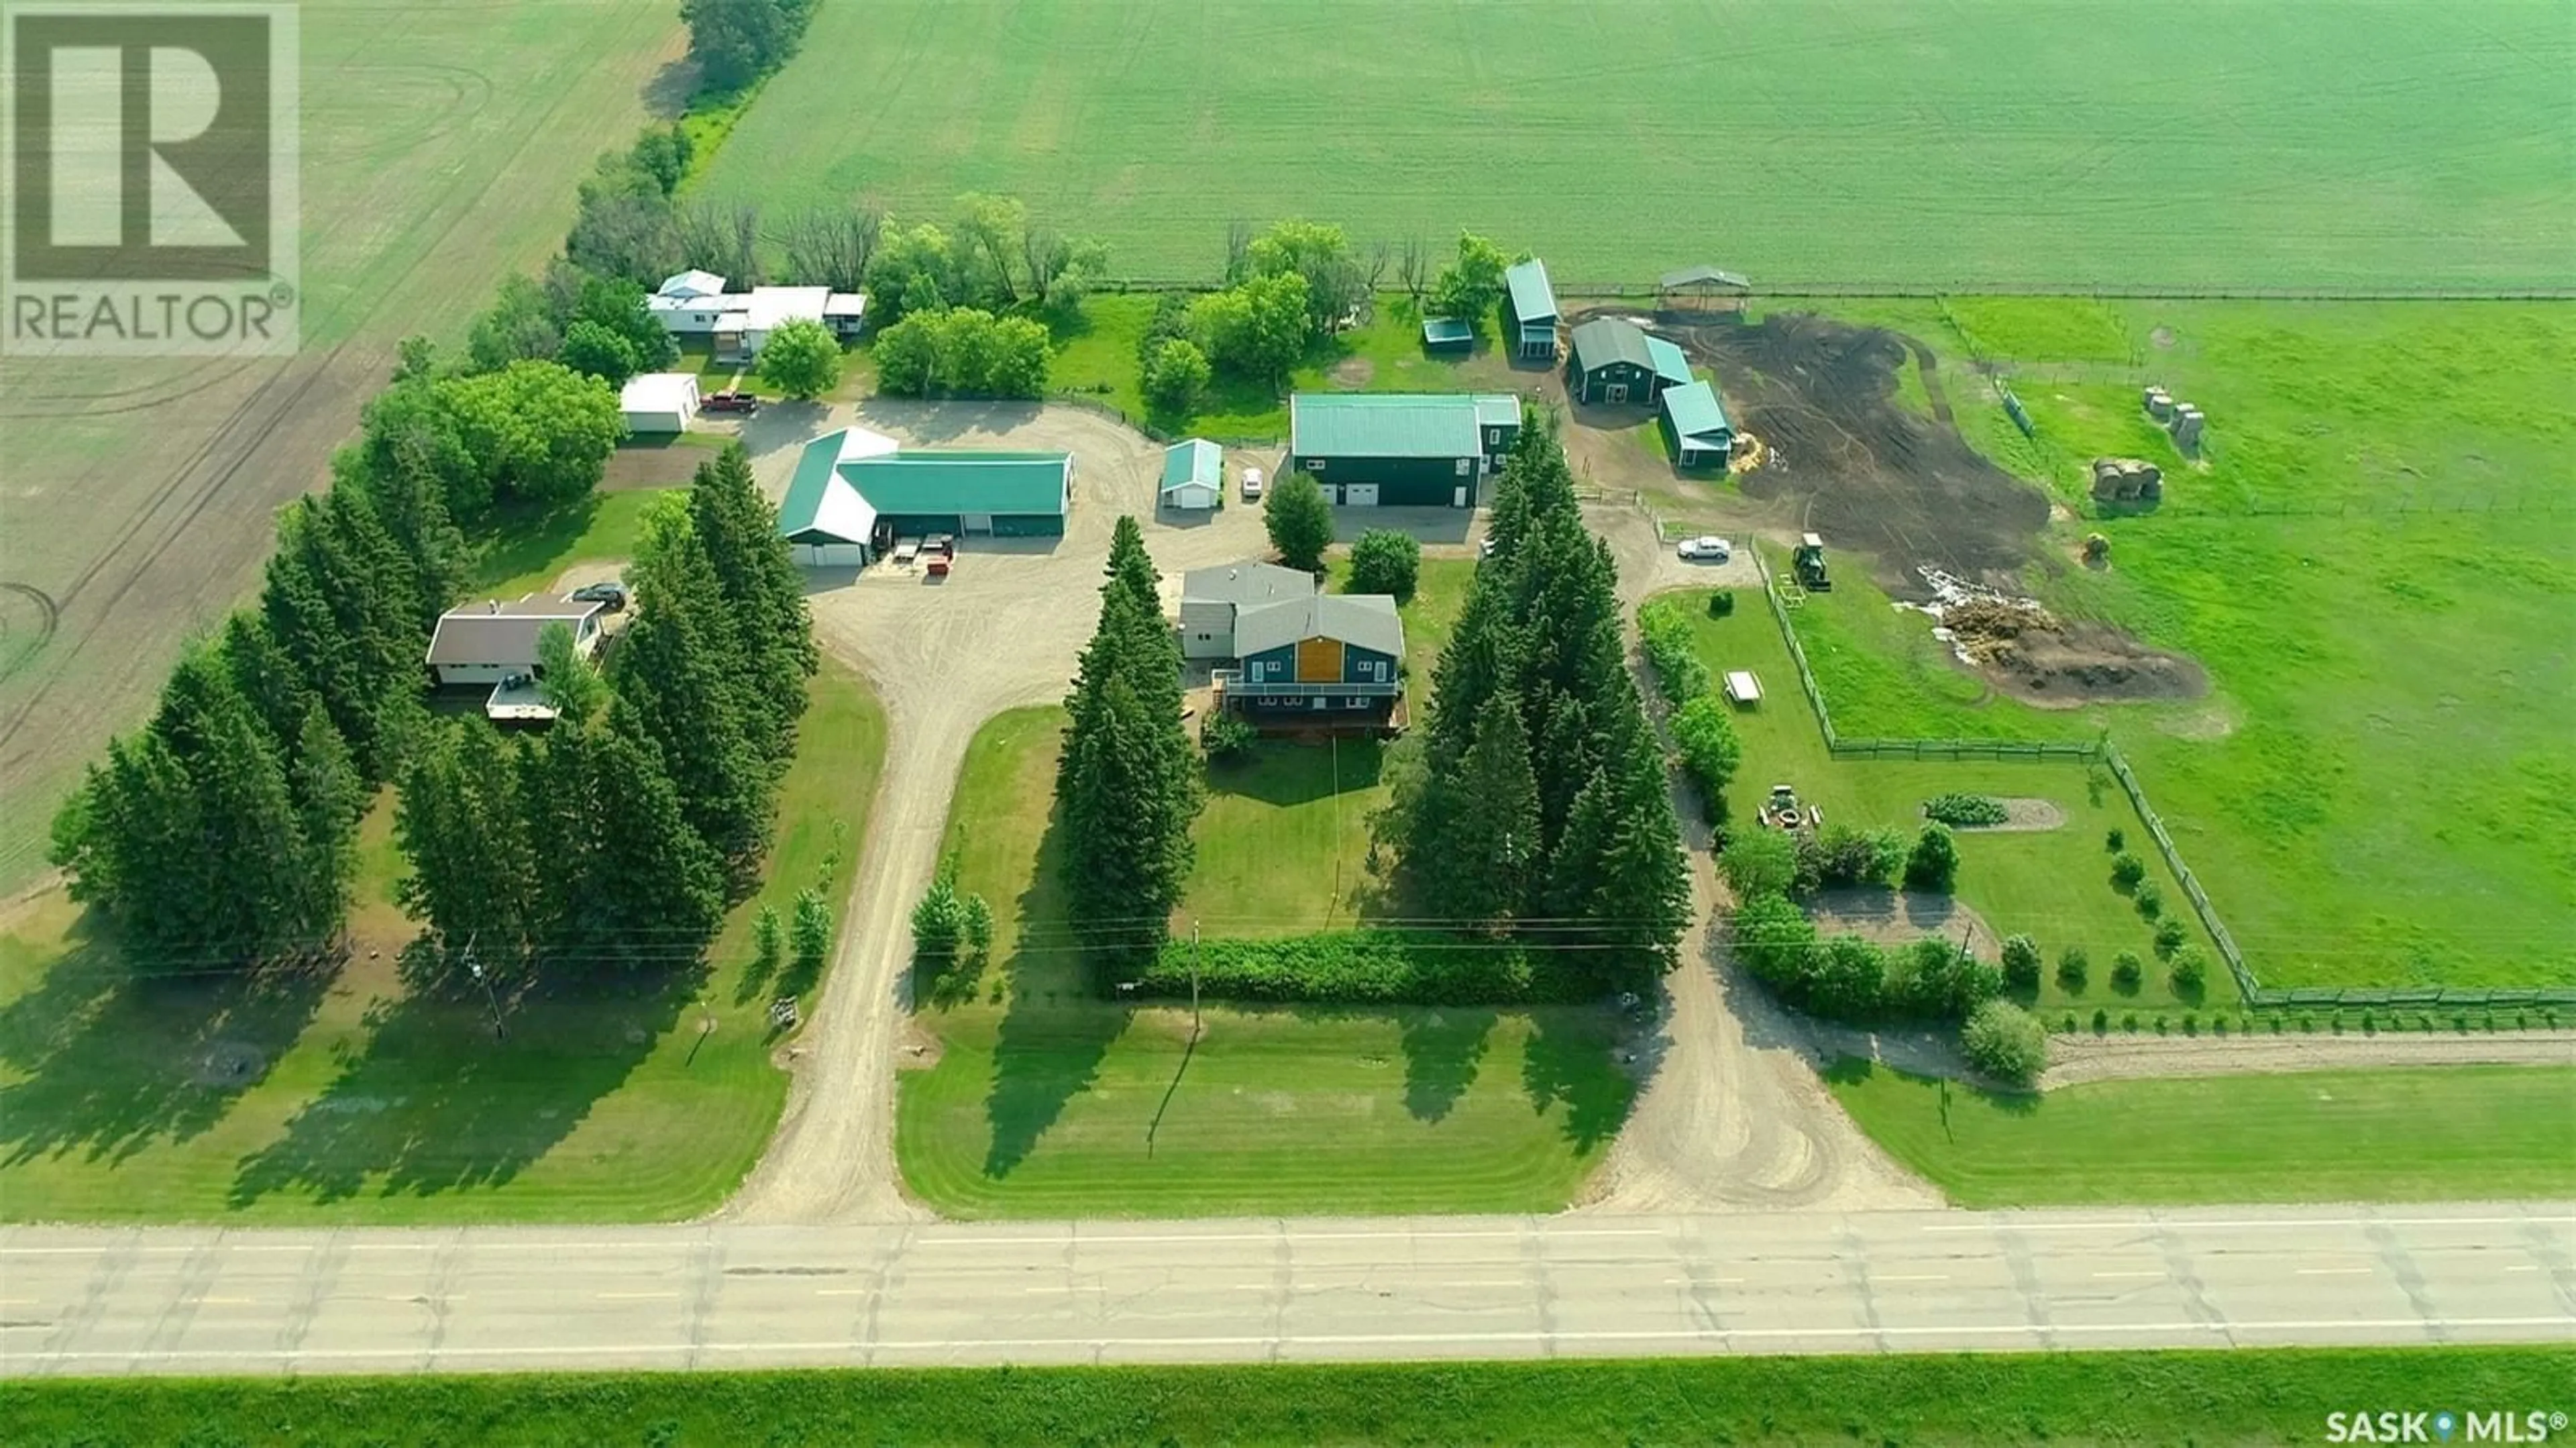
1299	522
802	359
1386	560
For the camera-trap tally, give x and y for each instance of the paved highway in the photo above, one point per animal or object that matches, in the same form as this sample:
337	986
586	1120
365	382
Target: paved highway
93	1301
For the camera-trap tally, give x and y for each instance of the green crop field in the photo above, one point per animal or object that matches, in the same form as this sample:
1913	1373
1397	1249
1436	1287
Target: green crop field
345	1097
2375	564
1049	1101
2195	143
2428	1134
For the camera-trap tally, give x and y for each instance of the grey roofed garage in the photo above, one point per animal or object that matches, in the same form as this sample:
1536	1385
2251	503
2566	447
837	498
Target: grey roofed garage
1246	584
1366	619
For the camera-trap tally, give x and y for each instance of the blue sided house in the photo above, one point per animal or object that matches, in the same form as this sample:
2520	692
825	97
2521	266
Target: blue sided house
1304	659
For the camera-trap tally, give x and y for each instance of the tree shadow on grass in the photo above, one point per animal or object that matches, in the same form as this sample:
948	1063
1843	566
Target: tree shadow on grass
1570	1059
113	1061
434	1102
1442	1051
1284	772
1058	1029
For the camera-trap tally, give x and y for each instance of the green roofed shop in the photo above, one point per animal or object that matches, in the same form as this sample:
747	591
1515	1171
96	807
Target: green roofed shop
1401	450
854	492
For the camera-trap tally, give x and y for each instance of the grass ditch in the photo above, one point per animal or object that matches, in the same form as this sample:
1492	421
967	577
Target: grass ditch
2126	1398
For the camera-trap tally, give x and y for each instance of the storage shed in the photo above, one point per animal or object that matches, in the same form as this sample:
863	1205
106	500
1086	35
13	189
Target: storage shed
659	402
1533	303
1400	449
1005	494
1695	425
1612	360
1193	475
825	519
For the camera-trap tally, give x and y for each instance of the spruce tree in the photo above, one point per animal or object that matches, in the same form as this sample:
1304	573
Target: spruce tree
1494	834
764	596
464	831
679	674
250	846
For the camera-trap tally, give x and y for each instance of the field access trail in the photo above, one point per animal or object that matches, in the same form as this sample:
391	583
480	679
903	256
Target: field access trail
94	1301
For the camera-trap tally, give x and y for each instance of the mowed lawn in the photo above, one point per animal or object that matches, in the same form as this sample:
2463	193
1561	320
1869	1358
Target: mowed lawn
347	1098
1985	143
2376	564
2052	885
2426	1134
1047	1100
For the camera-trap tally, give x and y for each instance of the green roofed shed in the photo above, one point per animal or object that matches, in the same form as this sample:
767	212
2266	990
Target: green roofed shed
1695	423
1193	474
1008	493
1396	449
1670	365
1533	301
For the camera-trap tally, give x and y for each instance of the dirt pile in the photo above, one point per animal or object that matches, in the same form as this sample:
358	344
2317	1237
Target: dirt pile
1983	627
2087	663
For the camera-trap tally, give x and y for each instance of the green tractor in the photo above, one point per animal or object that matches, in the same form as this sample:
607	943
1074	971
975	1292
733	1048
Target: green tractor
1809	564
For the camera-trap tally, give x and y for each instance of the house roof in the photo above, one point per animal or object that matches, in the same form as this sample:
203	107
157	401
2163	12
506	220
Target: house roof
820	503
1669	362
1246	584
494	632
771	306
659	392
962	482
846	304
1695	275
1605	340
1366	619
1196	460
690	284
1382	425
1532	298
1695	410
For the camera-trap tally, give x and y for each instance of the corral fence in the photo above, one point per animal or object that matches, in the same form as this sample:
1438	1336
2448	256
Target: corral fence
1929	291
2101	752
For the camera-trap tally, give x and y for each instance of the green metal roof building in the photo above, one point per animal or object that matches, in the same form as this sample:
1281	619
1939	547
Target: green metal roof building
1533	310
1396	449
1696	426
1612	360
854	491
1193	475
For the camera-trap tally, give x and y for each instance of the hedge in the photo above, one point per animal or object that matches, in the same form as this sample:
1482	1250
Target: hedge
1362	967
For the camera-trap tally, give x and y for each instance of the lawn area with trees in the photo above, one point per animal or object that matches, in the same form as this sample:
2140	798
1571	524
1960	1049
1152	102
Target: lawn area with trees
1048	1100
2053	885
2392	1135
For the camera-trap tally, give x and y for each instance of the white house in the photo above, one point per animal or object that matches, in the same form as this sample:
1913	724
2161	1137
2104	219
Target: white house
495	643
696	304
659	401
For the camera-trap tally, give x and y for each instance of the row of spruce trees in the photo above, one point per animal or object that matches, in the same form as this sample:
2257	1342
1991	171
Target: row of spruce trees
1536	804
620	835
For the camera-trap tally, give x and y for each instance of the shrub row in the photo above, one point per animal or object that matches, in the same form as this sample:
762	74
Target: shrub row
1667	635
1361	967
1965	809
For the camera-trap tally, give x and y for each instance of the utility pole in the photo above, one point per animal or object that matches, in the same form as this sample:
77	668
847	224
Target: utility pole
1194	981
475	966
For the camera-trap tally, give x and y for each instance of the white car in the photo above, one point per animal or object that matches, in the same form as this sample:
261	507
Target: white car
1712	549
1251	484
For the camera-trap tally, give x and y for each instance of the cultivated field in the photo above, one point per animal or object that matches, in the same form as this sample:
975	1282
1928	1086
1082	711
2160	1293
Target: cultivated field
2197	143
441	145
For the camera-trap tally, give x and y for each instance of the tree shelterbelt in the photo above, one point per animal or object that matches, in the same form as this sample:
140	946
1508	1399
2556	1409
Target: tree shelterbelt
1538	805
1128	783
620	835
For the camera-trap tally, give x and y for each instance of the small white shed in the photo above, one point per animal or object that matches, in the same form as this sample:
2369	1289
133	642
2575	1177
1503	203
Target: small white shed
659	401
1193	475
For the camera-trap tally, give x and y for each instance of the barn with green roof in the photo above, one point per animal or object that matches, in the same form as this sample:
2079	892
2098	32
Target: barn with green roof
1401	449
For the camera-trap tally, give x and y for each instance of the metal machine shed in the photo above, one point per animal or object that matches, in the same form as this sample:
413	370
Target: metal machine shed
825	520
1006	494
1533	310
1395	449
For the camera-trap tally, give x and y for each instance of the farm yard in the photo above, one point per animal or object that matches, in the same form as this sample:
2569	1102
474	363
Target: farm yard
441	145
1987	145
